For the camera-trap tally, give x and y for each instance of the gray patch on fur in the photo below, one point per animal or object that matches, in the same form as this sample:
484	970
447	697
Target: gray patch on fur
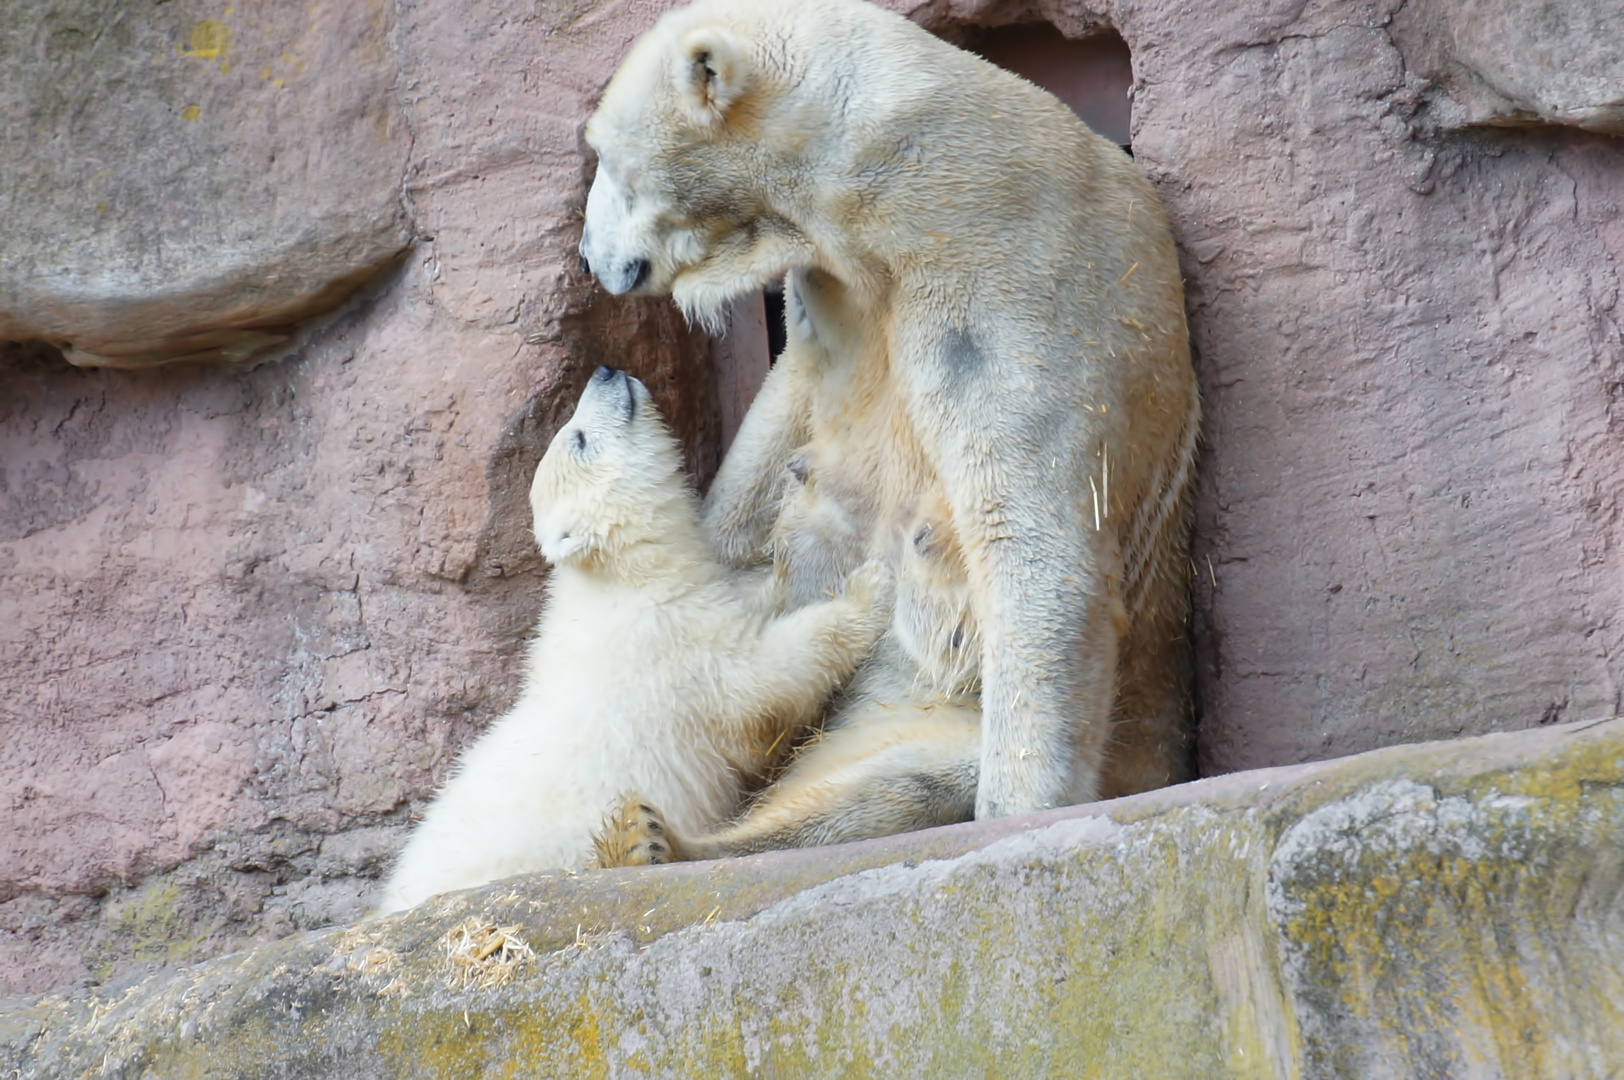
964	356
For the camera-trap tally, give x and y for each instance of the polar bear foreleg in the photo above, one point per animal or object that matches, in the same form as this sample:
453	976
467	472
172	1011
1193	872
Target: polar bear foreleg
803	656
1049	648
742	505
1007	459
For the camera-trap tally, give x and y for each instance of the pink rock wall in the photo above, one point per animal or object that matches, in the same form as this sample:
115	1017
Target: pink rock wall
246	616
1408	338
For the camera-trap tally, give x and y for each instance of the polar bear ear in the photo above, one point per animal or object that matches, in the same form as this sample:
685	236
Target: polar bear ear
713	71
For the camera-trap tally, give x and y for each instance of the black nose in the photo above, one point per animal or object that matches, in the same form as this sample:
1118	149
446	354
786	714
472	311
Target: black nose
639	272
604	374
586	267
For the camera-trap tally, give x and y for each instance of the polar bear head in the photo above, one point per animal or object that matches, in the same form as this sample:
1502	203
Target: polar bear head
611	479
710	138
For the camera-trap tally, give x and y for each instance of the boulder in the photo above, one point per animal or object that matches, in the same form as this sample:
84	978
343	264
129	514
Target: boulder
1511	63
1451	909
183	182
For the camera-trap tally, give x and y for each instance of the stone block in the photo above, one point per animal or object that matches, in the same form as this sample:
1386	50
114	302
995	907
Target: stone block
1452	909
182	182
1509	63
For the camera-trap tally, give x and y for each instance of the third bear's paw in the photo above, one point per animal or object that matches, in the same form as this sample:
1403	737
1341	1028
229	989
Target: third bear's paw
633	834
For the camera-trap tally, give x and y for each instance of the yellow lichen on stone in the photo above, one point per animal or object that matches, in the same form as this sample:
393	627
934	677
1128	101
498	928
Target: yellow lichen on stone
150	927
1426	911
1428	929
208	40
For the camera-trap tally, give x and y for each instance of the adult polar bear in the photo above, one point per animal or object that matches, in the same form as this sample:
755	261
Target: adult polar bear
1000	304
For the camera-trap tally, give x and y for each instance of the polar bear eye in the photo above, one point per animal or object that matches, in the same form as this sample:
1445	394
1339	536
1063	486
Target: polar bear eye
580	439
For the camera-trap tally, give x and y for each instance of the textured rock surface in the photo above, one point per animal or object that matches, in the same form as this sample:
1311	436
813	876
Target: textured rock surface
1510	62
245	616
248	615
178	183
1447	910
1409	345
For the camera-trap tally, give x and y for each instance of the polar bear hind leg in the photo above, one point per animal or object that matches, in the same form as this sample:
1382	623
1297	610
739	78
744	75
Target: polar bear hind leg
915	771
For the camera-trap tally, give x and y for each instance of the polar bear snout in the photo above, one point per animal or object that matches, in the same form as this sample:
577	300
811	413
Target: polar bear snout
617	279
615	238
625	277
614	390
620	278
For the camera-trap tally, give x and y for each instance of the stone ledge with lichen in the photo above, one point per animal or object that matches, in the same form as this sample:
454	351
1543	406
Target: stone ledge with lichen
1446	909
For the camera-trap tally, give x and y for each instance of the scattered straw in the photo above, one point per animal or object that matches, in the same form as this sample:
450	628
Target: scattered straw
481	955
586	941
376	963
1105	477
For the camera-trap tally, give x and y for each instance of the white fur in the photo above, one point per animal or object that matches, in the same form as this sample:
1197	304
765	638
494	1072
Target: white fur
987	310
653	669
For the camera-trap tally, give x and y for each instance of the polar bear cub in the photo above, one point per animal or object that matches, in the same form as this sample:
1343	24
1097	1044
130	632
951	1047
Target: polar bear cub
901	747
653	666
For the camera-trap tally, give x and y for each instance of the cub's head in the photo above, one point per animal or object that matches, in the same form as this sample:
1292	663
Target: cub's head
611	478
692	136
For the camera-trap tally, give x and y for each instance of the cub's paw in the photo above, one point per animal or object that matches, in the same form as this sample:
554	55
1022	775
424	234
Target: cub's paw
634	834
872	586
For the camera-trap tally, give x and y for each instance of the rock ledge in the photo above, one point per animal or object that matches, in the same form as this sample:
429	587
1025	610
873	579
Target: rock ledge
1440	909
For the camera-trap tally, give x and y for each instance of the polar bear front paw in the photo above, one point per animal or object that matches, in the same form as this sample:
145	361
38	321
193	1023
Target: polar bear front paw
872	586
633	834
872	590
